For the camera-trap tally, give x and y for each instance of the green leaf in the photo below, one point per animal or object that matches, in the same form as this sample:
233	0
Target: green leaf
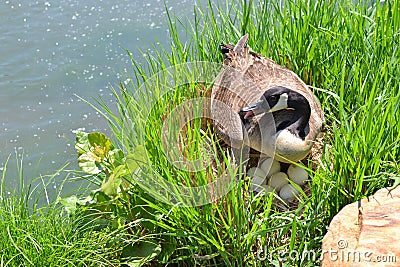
70	203
110	188
82	142
87	163
136	159
93	148
116	157
140	253
100	145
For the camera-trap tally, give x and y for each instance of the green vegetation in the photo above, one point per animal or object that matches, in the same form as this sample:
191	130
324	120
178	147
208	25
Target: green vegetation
43	236
347	52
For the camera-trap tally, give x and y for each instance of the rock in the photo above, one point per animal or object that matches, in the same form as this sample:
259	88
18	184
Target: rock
365	233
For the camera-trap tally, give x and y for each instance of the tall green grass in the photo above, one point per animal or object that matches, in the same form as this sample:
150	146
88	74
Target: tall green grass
33	234
348	52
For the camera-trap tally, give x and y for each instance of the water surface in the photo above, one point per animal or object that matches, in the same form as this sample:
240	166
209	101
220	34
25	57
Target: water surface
52	51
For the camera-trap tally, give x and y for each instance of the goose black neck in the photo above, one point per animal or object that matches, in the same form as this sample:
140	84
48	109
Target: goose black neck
300	119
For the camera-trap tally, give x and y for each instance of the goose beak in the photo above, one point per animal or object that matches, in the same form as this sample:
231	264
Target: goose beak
253	109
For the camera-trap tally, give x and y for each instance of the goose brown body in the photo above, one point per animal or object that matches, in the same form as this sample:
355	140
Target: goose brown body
245	77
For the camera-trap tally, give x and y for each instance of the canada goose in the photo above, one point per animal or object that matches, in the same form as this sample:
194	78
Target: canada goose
271	108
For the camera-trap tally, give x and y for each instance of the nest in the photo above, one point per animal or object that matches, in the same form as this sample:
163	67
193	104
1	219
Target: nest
310	161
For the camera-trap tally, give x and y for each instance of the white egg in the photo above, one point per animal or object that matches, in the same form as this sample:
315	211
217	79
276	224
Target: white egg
270	166
278	180
254	171
297	174
288	191
258	176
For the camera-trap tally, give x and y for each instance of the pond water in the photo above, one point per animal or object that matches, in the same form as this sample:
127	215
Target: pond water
52	52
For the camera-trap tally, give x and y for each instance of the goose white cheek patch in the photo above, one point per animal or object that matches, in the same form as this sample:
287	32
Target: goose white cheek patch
282	103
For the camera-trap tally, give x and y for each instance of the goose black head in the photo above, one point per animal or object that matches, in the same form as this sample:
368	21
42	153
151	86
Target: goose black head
277	98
